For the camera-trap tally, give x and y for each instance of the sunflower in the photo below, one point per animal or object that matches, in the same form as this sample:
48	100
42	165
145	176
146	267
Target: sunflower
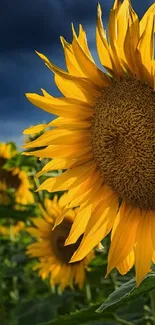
105	138
7	151
13	178
53	255
12	229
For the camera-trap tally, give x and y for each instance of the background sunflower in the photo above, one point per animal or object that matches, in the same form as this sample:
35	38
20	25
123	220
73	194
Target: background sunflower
15	191
53	255
13	179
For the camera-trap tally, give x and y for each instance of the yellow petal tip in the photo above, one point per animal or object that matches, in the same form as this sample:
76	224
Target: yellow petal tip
38	53
99	10
62	40
73	259
29	95
67	242
73	30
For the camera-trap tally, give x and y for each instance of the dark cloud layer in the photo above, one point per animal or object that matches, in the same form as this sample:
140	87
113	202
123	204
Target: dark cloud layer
38	24
29	24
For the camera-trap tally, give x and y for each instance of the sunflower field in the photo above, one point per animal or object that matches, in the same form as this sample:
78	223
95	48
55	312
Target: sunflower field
77	205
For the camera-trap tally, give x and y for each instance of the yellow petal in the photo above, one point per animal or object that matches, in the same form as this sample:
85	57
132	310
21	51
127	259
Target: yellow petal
78	88
65	200
79	225
55	272
87	66
83	42
123	242
72	86
58	136
33	231
153	257
86	193
152	216
65	107
145	50
46	215
99	225
55	164
46	94
144	248
69	123
42	224
122	19
67	179
35	129
61	151
143	21
130	43
71	62
89	182
113	19
126	264
103	48
112	33
80	275
65	277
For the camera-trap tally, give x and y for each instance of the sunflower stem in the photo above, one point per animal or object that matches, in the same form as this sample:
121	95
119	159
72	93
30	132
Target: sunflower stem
59	291
37	184
12	236
53	290
88	292
152	297
113	280
121	320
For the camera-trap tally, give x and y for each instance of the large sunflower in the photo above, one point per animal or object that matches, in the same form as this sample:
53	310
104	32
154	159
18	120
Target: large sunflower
13	178
105	137
53	256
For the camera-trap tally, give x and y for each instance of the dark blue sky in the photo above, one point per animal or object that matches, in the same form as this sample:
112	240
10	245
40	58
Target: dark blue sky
26	26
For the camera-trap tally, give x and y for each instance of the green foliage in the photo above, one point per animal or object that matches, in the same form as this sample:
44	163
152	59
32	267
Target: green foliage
9	212
13	146
21	161
128	292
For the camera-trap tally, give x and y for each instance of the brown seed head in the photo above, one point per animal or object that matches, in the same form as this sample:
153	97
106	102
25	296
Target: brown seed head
7	176
58	238
123	141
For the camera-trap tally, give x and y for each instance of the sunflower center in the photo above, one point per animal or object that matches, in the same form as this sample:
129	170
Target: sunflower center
6	176
59	236
123	141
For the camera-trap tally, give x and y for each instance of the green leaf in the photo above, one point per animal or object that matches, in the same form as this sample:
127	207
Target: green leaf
128	292
84	316
13	146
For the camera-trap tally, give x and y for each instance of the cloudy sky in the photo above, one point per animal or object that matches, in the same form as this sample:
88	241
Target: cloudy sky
26	26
